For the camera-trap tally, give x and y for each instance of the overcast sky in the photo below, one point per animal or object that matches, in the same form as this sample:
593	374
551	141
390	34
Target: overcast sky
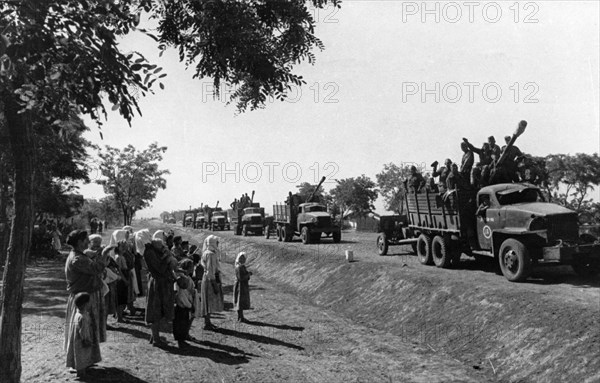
393	85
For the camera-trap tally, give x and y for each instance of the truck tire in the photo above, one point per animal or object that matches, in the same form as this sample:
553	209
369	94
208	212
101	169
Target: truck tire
245	230
514	260
267	232
337	236
440	252
382	244
424	249
305	235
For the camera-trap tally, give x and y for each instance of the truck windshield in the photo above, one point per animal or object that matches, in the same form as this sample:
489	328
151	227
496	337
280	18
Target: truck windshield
252	211
519	196
315	208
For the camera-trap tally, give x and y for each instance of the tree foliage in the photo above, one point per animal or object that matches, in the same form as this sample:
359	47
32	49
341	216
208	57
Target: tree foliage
571	178
132	177
355	195
391	186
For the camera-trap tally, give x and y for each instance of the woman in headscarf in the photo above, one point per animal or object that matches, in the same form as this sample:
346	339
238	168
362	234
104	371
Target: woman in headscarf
241	289
84	274
210	291
160	299
141	238
123	243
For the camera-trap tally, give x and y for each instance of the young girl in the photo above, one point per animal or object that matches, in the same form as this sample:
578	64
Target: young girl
241	289
184	302
80	353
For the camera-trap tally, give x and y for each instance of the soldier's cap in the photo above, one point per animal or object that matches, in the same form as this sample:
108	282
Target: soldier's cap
491	138
507	138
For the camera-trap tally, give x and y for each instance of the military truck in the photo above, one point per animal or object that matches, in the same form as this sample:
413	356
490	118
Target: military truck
308	220
247	219
218	220
510	222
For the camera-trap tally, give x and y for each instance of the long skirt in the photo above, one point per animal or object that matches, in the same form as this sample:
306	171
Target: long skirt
122	293
97	315
110	299
160	300
210	301
241	295
181	323
138	273
79	356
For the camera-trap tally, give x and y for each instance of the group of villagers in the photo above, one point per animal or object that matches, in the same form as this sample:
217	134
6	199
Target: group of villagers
183	283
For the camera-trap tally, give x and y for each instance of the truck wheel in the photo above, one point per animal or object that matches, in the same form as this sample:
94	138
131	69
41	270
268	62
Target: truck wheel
305	235
245	230
337	236
382	244
440	251
289	234
267	233
424	249
514	259
586	270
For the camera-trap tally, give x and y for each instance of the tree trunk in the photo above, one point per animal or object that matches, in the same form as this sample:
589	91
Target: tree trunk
21	139
4	224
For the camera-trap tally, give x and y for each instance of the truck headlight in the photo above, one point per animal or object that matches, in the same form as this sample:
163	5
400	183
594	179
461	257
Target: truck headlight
313	220
538	223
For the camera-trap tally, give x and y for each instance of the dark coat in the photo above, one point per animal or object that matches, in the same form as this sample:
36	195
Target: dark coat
241	289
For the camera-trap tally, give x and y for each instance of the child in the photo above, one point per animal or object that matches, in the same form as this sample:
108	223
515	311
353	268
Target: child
184	300
123	284
81	350
241	290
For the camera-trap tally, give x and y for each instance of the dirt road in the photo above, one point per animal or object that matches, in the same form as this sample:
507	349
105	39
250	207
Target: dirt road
288	340
319	318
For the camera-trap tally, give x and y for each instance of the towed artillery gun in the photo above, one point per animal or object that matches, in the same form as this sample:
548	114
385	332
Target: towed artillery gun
308	220
509	222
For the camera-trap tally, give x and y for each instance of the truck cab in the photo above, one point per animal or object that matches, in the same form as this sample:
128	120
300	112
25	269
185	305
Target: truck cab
253	220
516	224
200	221
219	221
313	220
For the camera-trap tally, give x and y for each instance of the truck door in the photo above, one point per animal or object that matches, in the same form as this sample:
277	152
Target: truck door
487	217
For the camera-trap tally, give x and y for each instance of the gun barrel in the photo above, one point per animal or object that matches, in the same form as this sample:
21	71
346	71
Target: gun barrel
316	189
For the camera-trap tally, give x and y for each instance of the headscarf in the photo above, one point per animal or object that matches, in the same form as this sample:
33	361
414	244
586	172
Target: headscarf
95	239
128	228
159	235
142	237
240	259
118	236
211	244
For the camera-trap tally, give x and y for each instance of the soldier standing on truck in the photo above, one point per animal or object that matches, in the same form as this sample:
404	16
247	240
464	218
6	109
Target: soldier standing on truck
442	173
467	161
234	204
494	149
510	164
416	182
